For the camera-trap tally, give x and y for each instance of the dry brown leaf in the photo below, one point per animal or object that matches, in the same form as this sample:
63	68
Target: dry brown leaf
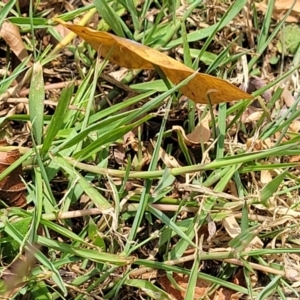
201	134
265	177
223	294
132	55
287	97
201	290
182	280
131	140
239	278
11	34
295	158
212	229
14	279
295	126
231	186
12	189
258	145
62	30
251	114
280	8
119	154
119	75
231	226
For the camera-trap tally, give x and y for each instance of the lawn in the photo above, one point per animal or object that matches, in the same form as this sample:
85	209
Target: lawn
151	152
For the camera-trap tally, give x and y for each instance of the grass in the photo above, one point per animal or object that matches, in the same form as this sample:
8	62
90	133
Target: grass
109	214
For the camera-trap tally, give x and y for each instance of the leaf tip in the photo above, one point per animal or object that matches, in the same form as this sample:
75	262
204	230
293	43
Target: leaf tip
58	20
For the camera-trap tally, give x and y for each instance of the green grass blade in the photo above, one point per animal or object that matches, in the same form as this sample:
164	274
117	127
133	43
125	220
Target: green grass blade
192	283
149	288
271	187
109	137
161	216
6	10
269	288
11	231
36	102
57	119
94	255
110	16
94	195
38	203
235	8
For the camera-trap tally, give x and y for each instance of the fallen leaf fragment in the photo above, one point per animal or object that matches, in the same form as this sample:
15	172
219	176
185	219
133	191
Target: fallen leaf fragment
12	189
201	289
258	145
11	34
295	126
15	280
233	229
182	280
287	97
132	55
280	9
201	133
265	177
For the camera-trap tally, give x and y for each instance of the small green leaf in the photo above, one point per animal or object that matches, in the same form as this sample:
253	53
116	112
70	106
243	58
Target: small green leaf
11	247
6	9
93	232
40	291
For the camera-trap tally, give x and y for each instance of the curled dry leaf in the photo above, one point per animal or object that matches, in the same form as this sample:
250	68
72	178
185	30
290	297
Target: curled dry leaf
119	75
132	55
12	189
11	34
280	9
201	133
212	229
233	229
224	294
231	226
